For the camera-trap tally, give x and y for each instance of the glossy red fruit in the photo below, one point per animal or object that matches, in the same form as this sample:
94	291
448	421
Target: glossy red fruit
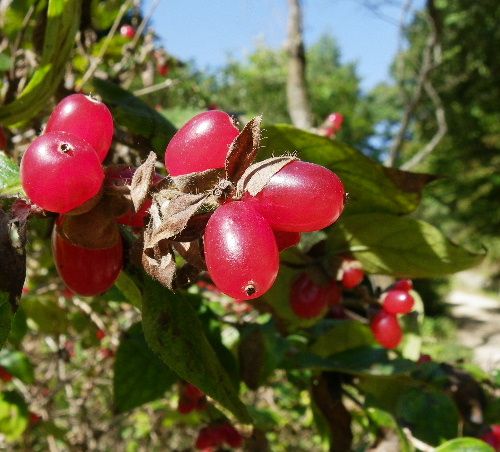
3	140
85	271
336	120
403	284
334	293
230	435
100	335
308	299
127	31
285	239
208	437
192	392
240	251
492	437
398	302
352	273
60	172
386	329
163	69
34	418
106	353
301	197
201	144
86	118
5	375
186	405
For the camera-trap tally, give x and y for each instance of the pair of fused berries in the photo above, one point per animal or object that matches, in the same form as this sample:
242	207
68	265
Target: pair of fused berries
214	436
61	172
309	299
385	325
190	399
243	237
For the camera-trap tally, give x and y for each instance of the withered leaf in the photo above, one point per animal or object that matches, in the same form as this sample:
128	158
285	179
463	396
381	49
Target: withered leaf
94	229
243	150
159	262
174	218
141	181
195	183
194	228
12	259
256	177
409	182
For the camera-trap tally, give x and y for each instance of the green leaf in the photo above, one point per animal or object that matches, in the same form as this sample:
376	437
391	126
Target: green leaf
464	445
135	115
371	188
49	317
412	325
430	414
13	415
63	20
5	62
5	317
359	361
103	13
18	364
401	246
9	176
173	330
129	289
139	375
343	335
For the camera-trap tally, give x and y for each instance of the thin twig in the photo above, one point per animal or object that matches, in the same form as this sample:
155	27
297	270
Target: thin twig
168	83
94	62
424	447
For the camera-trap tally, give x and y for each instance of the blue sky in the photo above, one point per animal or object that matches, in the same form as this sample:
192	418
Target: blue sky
207	31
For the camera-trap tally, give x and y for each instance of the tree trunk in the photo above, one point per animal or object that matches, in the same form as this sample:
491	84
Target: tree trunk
299	108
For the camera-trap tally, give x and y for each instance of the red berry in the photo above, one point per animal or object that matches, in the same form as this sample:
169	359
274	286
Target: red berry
201	144
398	302
106	353
186	405
3	140
334	293
163	69
100	335
286	239
230	435
86	271
307	299
386	329
492	437
192	392
60	172
240	251
5	375
127	31
34	418
86	118
301	197
336	120
352	273
403	284
207	437
424	358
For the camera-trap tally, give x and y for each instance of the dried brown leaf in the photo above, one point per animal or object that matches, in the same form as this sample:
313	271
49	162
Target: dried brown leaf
243	150
142	180
256	177
195	183
192	253
159	262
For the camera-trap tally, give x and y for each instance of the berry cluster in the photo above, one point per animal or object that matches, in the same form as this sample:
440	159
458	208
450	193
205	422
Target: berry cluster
333	124
61	172
190	399
213	436
243	237
385	325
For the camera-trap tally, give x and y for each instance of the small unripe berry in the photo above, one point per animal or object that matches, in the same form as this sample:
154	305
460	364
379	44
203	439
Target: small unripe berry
386	329
398	302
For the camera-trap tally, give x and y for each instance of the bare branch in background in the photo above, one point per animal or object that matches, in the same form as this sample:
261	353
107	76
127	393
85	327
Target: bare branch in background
299	107
431	58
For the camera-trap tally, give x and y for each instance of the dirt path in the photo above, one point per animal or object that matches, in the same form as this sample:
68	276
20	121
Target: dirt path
478	321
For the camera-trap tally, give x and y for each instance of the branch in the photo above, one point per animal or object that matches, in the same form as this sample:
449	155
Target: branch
431	58
299	107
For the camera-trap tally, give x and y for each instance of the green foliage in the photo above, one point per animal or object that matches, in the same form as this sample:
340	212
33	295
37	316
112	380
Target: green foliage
13	415
5	317
173	330
18	365
9	176
139	380
464	445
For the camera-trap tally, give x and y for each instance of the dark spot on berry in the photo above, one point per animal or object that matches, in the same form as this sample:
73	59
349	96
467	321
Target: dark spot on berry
250	289
65	147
